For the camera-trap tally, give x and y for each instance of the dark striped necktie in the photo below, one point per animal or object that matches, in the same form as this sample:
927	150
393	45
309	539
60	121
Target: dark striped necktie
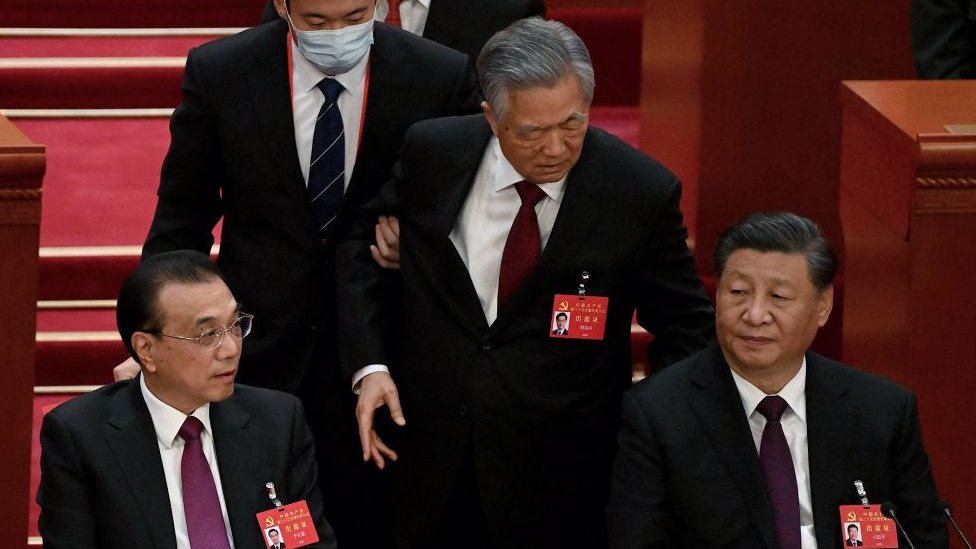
326	170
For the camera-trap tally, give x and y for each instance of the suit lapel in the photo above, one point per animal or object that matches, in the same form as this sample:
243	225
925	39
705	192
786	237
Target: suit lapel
718	407
233	444
270	102
458	176
389	79
829	429
132	439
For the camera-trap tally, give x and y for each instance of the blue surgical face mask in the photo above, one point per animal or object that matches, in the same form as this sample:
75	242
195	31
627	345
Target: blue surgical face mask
334	51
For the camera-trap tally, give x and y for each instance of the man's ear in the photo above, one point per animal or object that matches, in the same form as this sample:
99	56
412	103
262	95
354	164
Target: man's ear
281	9
142	344
825	303
490	117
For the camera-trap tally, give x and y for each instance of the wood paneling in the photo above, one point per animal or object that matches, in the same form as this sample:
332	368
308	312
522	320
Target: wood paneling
21	170
908	205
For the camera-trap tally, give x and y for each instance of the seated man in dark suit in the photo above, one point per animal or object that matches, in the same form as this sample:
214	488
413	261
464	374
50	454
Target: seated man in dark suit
463	25
699	464
178	457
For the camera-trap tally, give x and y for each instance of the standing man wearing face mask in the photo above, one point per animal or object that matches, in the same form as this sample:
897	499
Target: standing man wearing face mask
283	131
459	24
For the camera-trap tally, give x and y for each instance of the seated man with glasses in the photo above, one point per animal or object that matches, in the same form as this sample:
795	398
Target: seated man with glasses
180	456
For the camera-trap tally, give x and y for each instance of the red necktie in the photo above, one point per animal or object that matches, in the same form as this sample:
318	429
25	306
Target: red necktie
393	16
777	464
204	518
523	247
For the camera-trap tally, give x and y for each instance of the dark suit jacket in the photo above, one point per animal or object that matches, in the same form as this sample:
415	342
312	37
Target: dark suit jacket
538	412
233	156
944	38
102	482
687	472
463	25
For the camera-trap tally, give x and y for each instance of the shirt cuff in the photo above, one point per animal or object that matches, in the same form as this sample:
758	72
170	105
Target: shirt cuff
363	372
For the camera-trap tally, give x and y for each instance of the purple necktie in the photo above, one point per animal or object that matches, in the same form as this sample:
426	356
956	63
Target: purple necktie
777	464
204	519
524	244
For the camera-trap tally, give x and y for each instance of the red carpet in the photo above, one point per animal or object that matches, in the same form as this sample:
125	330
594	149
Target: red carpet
134	87
131	13
102	174
99	46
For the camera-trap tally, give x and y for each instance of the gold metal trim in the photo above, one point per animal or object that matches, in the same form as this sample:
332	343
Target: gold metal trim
46	337
76	304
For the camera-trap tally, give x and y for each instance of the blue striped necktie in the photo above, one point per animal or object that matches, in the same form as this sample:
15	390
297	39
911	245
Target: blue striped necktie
326	169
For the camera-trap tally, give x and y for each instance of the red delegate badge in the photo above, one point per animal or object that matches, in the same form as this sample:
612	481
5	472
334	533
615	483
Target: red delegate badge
288	526
578	317
866	526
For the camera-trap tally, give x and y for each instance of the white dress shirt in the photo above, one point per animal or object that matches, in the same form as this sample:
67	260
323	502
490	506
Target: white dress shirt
486	217
167	422
482	228
307	99
413	14
794	422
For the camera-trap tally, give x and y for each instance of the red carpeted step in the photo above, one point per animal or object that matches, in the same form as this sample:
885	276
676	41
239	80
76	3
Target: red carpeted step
94	318
102	174
61	363
91	83
111	43
622	121
132	13
84	276
613	36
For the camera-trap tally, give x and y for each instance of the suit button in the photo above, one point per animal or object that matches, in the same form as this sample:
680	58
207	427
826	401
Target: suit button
486	346
463	410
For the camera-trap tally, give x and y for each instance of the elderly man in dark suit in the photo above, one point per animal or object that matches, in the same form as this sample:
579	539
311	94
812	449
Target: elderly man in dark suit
178	457
283	131
463	25
510	430
755	442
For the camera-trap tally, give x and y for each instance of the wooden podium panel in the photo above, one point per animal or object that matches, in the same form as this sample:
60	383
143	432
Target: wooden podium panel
739	99
21	171
908	206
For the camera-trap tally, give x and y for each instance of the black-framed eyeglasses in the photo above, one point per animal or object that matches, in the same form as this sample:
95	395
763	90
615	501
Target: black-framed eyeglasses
212	339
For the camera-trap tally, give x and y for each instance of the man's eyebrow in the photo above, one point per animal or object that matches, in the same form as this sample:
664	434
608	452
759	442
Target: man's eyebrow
208	319
205	320
355	12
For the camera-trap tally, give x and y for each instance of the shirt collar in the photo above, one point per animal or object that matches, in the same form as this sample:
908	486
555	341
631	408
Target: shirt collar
168	420
506	175
307	76
794	393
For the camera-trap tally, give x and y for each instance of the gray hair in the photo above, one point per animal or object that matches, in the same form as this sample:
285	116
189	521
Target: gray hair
783	232
532	53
